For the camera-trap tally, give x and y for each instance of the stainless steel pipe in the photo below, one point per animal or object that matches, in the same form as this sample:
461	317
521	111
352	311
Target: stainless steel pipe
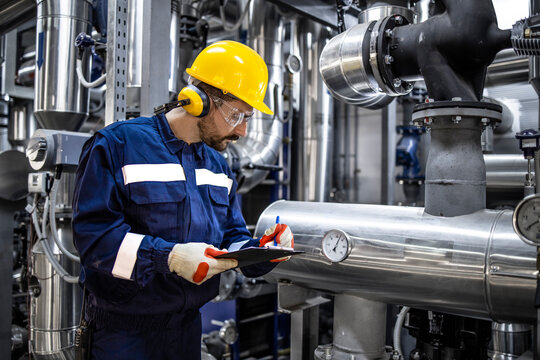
265	132
505	171
472	265
55	310
345	68
313	133
61	102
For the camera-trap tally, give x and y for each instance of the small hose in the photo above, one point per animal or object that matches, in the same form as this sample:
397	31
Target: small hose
397	329
52	224
238	23
64	275
83	81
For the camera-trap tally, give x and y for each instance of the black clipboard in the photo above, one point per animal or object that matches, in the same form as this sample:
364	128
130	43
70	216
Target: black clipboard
255	255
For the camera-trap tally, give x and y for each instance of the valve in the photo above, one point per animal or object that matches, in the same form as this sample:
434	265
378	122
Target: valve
529	143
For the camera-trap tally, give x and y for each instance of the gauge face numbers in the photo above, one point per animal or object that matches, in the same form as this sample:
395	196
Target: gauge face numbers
526	220
336	245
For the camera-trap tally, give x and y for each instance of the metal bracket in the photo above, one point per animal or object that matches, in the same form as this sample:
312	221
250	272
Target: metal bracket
115	95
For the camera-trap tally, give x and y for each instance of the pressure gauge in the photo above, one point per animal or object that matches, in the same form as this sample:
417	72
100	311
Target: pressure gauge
526	220
336	245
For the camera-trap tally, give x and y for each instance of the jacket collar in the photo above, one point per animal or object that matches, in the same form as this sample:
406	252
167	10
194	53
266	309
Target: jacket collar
173	143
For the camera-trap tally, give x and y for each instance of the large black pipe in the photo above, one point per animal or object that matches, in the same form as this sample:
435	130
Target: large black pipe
450	50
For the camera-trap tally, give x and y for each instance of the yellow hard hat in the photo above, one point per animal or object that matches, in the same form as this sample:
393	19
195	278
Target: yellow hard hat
234	68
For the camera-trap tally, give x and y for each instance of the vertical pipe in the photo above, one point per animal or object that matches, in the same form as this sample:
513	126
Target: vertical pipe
388	152
315	132
174	38
347	154
359	327
357	152
339	135
302	324
265	132
455	169
61	102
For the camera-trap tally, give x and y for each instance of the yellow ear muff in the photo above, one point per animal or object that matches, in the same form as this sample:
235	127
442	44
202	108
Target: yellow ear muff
199	104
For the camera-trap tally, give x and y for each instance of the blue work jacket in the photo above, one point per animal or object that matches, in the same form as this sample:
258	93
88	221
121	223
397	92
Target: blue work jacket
139	191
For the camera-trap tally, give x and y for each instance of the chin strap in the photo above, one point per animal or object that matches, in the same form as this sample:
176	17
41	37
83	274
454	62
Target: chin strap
161	109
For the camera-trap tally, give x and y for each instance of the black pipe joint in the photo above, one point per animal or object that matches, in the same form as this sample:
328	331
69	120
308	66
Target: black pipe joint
451	50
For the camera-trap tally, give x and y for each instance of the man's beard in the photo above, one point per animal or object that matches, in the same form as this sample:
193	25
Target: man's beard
208	136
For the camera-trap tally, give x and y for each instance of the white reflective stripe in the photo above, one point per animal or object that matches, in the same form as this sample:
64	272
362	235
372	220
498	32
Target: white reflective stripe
127	256
236	246
153	172
206	177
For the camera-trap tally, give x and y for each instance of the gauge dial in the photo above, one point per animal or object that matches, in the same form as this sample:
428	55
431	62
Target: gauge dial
526	220
336	245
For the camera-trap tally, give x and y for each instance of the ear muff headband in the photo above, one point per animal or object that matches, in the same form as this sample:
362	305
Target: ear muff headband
199	104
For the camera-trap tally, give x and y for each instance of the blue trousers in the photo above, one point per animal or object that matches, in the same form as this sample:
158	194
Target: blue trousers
178	339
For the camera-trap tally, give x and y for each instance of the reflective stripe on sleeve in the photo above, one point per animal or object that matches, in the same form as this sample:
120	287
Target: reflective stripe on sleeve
206	177
153	172
127	256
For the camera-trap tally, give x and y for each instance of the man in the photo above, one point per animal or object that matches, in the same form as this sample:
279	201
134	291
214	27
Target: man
153	203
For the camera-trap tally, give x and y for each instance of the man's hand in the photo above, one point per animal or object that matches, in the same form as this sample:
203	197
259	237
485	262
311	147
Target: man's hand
195	261
283	236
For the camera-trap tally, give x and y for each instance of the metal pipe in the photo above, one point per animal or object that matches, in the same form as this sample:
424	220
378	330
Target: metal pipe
53	323
345	69
388	153
134	55
265	132
359	328
15	12
507	68
174	58
22	123
60	100
316	118
449	191
505	171
537	170
508	341
473	265
455	169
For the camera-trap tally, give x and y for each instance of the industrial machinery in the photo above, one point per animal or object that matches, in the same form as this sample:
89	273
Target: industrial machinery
453	274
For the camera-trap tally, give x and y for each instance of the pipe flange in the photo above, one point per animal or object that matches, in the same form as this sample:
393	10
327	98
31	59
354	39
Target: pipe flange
489	114
379	12
381	60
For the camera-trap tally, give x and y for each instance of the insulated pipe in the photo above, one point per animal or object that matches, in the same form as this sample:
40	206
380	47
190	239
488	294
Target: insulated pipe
264	134
313	133
61	102
505	171
473	265
15	12
507	68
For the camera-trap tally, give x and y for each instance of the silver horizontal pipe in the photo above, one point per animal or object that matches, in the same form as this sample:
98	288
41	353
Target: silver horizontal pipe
507	68
472	265
15	12
505	171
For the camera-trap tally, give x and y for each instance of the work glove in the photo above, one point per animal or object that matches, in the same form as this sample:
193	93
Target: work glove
195	261
283	236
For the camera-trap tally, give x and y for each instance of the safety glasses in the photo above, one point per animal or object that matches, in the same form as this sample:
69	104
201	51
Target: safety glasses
232	115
